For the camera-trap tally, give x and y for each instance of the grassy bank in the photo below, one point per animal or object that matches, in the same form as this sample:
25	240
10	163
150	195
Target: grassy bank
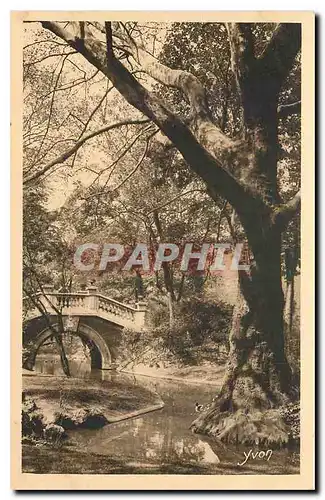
69	401
70	461
206	373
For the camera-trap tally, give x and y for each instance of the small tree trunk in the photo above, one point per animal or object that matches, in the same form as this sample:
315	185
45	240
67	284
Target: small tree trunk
171	299
59	341
63	356
291	264
289	306
171	312
30	357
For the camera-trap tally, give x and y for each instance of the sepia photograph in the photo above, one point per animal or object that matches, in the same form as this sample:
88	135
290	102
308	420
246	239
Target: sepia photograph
161	167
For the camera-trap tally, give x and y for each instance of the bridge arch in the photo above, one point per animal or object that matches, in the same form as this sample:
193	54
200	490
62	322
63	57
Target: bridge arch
100	354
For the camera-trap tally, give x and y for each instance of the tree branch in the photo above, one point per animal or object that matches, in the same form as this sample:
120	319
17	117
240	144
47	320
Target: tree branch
137	165
96	108
241	49
51	108
165	204
287	211
122	152
207	150
179	79
205	130
59	54
243	63
286	110
279	55
109	41
64	156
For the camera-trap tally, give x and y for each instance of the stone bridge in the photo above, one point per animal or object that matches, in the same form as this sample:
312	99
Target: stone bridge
98	320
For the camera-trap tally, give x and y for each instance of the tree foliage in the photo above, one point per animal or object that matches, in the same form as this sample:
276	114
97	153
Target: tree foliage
210	148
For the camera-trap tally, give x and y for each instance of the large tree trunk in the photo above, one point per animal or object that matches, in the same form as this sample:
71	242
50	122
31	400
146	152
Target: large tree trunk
258	376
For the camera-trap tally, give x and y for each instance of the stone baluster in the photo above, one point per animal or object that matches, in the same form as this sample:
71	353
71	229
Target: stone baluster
139	314
93	298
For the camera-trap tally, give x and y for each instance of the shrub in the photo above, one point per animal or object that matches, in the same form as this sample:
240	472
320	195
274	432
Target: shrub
200	331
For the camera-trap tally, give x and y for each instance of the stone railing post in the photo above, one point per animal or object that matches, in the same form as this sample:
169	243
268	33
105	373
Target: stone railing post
139	314
93	299
48	289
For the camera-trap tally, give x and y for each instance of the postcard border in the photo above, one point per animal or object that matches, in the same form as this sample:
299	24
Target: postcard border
303	481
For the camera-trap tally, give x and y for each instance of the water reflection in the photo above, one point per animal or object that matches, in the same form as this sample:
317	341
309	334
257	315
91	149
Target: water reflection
156	438
52	366
161	437
48	360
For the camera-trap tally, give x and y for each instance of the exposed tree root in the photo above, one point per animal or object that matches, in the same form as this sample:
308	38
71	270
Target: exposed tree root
234	421
265	428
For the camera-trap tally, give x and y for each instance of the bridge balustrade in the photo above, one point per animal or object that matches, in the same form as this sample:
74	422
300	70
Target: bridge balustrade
90	303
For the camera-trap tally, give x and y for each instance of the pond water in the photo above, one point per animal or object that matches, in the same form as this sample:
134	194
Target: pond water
163	437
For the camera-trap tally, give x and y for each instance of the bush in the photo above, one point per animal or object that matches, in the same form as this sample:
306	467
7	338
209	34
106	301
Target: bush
200	328
200	333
